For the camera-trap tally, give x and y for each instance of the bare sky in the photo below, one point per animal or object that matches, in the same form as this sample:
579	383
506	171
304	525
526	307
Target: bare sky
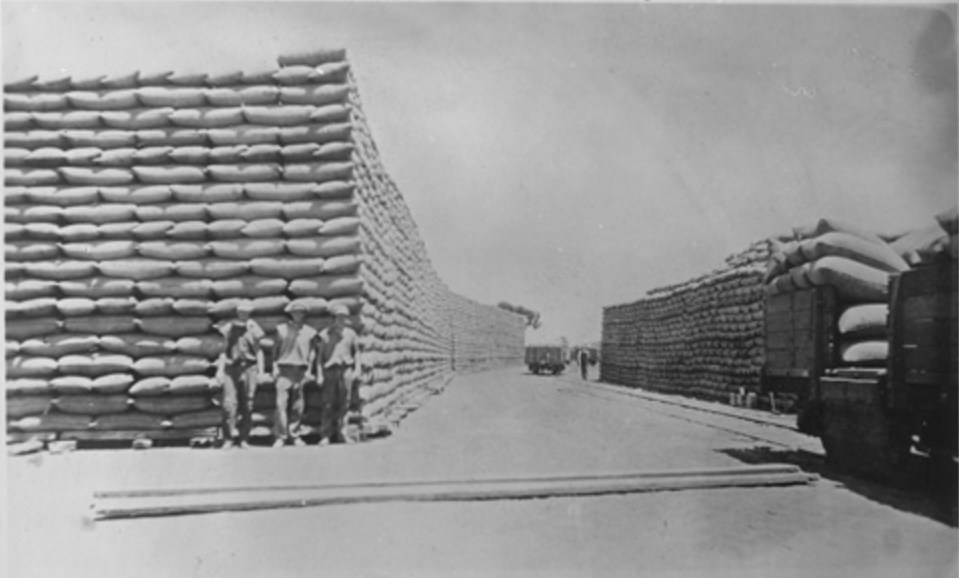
570	156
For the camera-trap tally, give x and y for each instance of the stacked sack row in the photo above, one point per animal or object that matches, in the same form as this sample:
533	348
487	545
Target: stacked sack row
485	336
140	209
857	264
418	331
702	337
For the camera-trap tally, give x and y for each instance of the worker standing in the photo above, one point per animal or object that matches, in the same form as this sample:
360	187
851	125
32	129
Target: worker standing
238	369
583	359
338	356
293	358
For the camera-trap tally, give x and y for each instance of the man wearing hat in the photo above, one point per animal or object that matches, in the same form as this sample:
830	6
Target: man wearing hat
293	356
338	354
238	368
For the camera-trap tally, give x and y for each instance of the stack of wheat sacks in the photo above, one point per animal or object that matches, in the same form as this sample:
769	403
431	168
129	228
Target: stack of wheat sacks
139	209
857	264
703	337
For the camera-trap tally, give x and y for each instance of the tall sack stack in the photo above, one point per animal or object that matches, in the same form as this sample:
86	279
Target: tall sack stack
140	208
701	337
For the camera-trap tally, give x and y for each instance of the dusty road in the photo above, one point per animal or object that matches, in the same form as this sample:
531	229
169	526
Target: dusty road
497	424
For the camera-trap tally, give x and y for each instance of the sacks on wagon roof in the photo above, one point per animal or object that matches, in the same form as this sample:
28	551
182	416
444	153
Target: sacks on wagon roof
171	365
100	324
175	326
137	345
853	281
922	245
21	329
99	250
96	287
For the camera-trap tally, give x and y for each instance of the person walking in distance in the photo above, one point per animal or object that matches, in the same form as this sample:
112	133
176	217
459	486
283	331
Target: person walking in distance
238	369
338	355
583	359
293	358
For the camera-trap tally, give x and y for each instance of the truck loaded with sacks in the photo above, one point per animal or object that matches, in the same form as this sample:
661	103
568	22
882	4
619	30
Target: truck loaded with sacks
862	329
853	330
139	209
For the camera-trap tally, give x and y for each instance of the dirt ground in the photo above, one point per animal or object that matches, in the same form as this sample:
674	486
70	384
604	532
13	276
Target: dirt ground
496	424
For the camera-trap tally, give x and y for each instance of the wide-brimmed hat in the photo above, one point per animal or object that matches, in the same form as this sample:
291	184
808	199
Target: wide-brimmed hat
296	306
244	306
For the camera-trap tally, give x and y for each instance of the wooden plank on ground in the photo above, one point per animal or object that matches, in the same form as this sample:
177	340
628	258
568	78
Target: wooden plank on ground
150	503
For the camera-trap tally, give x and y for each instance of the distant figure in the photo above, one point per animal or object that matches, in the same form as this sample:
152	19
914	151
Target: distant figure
293	357
238	368
338	354
583	360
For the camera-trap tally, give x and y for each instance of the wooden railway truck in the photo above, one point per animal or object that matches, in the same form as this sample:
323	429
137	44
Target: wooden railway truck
872	419
546	358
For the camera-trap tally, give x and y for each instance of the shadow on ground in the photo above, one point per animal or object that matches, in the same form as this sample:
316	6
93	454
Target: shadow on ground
915	494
